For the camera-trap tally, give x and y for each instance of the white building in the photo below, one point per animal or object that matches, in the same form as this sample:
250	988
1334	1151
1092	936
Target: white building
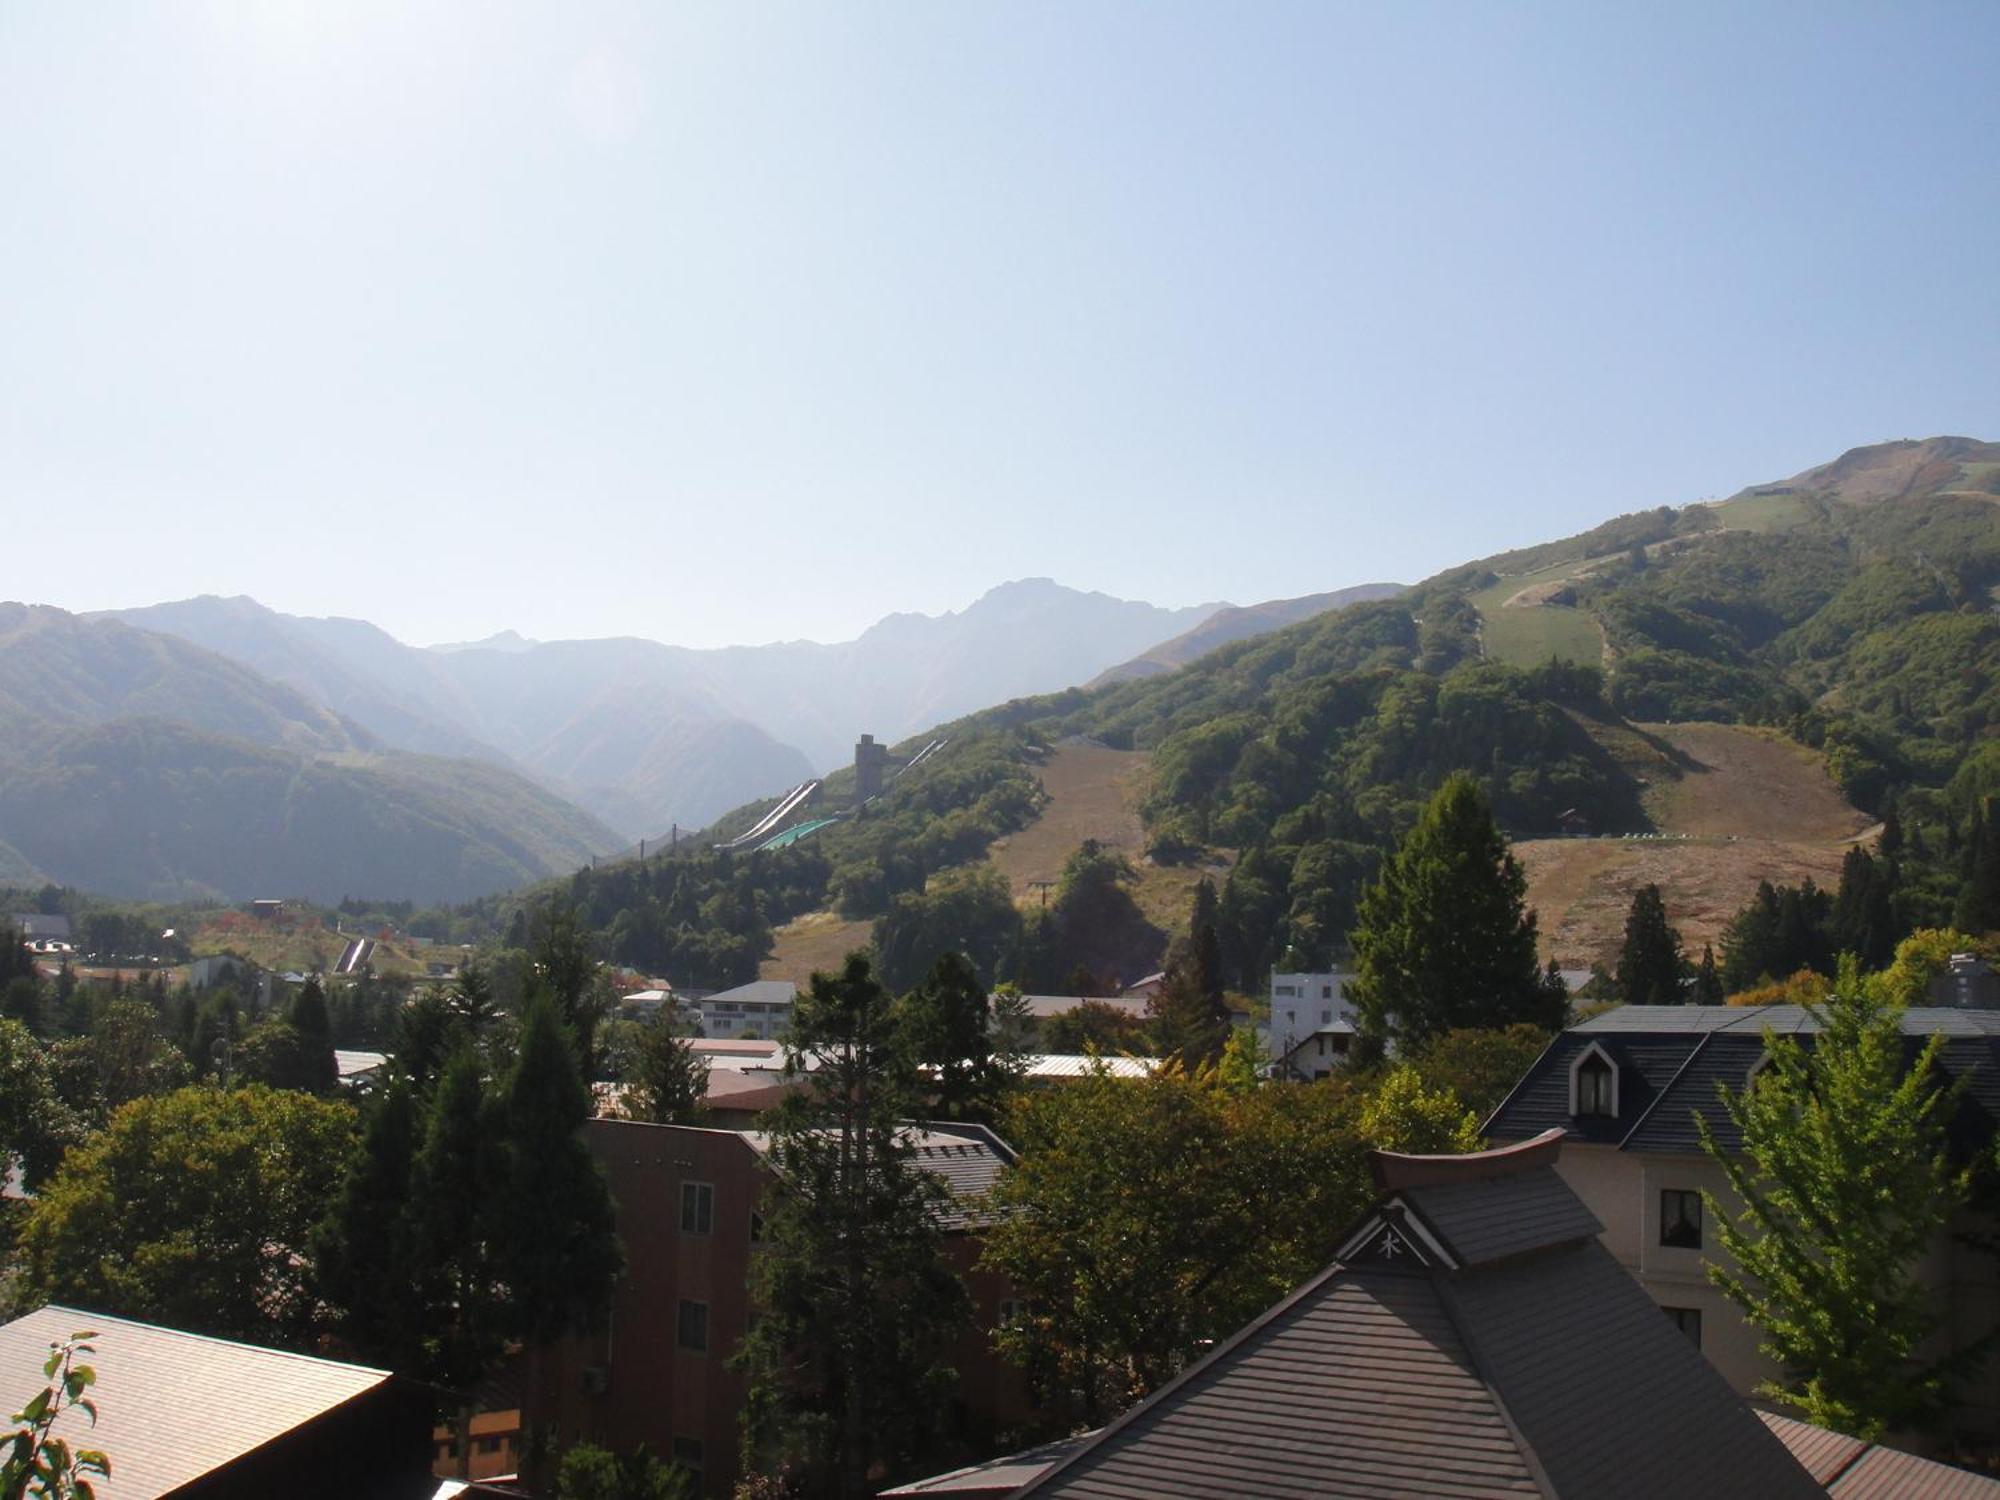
762	1008
1311	1029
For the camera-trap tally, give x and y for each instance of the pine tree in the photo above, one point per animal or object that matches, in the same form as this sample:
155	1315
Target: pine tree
847	1363
1864	921
1651	963
669	1081
364	1255
1707	981
948	1022
1845	1183
1978	909
309	1018
1750	942
1443	938
567	973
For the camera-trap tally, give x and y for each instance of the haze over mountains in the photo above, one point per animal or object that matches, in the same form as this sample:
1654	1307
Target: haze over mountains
215	746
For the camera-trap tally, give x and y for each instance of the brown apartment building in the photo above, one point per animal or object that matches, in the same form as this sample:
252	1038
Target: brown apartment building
689	1214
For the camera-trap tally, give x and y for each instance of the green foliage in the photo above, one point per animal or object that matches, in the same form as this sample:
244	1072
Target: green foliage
969	912
280	1056
33	1461
1146	1219
1093	1026
1479	1066
364	1260
195	1209
1782	930
947	1023
668	1080
589	1472
1443	940
35	1125
1651	965
1844	1183
846	1363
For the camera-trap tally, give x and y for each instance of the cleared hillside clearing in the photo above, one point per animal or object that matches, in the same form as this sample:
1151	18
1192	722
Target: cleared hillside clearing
819	941
1094	793
1739	805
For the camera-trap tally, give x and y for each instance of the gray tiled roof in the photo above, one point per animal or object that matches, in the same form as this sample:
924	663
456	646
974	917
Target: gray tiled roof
1671	1073
1503	1352
1481	1226
174	1406
968	1158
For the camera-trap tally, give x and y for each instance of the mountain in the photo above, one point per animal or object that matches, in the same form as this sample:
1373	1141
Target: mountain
644	735
139	764
1748	684
1236	623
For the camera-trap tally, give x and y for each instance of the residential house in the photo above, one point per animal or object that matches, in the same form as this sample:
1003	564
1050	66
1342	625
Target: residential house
183	1415
689	1215
1626	1087
1471	1339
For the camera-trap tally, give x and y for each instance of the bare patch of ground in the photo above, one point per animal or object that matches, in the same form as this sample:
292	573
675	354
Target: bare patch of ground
818	941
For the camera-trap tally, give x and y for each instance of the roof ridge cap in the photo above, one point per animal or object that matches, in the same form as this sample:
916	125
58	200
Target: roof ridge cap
208	1338
1660	1098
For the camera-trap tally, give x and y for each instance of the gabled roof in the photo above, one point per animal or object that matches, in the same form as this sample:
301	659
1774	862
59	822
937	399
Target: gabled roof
1853	1470
761	991
1474	1339
174	1406
1672	1058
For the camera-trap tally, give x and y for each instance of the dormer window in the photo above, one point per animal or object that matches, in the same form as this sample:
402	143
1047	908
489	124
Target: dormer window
1593	1085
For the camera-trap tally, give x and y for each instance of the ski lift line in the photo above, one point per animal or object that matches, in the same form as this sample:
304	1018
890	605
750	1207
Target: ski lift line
790	803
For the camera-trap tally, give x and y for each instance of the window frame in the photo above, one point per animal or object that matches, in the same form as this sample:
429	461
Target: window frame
1689	1212
1593	1053
703	1198
1687	1320
681	1326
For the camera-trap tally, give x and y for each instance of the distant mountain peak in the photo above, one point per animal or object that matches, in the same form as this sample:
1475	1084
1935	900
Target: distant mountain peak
501	640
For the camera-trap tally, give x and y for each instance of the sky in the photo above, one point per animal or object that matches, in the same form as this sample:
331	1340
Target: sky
748	322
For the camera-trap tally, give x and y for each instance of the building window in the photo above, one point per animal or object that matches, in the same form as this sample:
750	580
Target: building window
1680	1218
697	1208
1593	1087
1326	1018
756	1227
1008	1312
687	1453
691	1331
1326	992
1687	1320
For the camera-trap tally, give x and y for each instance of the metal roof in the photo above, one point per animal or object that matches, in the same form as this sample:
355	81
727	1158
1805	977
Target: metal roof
174	1406
996	1476
762	991
1475	1340
1047	1007
967	1158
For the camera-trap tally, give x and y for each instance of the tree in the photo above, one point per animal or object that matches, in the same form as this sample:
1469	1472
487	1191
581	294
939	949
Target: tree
1651	964
1093	1026
1864	917
846	1364
1444	939
669	1079
195	1209
1480	1066
364	1259
947	1021
35	1125
1147	1218
1188	1026
588	1472
552	1218
1707	982
1845	1182
280	1056
33	1461
566	970
1978	908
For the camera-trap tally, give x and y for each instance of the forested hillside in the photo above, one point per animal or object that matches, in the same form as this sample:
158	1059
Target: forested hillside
1851	608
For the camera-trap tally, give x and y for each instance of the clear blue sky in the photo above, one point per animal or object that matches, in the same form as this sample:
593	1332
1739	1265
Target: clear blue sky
753	321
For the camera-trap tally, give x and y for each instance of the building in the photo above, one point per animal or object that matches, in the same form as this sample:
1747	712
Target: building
1311	1030
1471	1339
183	1415
1626	1087
871	764
761	1008
1967	983
689	1215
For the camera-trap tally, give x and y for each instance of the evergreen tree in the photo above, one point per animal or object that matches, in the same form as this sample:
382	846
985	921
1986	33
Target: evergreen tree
669	1079
454	1260
1750	942
1978	908
567	973
309	1018
847	1362
948	1023
1846	1184
1864	921
426	1035
1651	963
363	1254
552	1214
1443	938
1707	981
